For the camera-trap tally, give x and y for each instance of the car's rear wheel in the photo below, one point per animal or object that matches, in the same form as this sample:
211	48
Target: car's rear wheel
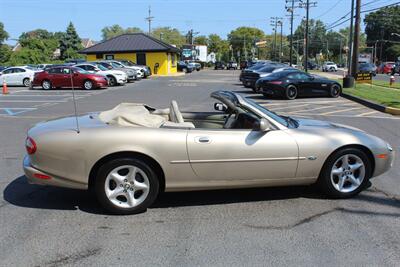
112	81
126	186
88	85
335	90
46	85
345	173
291	92
27	82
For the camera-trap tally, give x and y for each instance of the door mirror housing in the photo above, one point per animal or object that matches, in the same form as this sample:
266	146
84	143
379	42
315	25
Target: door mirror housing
262	125
220	107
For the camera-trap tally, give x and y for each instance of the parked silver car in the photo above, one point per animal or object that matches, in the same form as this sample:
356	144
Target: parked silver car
131	153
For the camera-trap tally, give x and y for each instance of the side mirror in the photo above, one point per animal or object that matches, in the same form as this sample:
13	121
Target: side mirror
312	78
262	125
220	107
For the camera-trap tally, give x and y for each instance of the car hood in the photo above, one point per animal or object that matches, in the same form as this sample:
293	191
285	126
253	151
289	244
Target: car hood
304	123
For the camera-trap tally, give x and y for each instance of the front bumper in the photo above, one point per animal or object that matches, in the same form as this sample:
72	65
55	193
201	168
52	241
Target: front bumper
121	80
382	165
35	176
100	84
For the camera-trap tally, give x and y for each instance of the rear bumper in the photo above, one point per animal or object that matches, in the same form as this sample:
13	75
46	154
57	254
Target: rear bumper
33	175
272	90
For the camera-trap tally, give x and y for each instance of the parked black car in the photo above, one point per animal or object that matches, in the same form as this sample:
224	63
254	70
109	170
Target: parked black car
250	77
184	67
311	65
396	68
293	83
219	65
367	68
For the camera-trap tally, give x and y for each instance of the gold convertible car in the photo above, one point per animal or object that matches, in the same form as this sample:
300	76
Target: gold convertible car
129	154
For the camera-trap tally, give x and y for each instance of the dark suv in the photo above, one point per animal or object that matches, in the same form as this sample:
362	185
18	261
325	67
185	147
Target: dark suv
219	65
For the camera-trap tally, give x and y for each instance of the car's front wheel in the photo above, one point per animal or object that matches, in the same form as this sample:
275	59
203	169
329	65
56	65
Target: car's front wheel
112	81
88	85
126	186
291	92
27	82
345	173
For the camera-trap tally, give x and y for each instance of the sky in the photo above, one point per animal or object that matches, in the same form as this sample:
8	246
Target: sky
204	16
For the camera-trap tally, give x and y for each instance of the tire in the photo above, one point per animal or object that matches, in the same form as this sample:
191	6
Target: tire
46	85
26	82
256	89
329	180
184	70
291	92
112	81
88	85
335	90
114	194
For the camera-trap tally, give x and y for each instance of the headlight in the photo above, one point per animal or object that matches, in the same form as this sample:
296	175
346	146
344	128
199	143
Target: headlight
389	147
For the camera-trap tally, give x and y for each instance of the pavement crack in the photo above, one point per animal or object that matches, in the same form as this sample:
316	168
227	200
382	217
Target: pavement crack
74	258
298	223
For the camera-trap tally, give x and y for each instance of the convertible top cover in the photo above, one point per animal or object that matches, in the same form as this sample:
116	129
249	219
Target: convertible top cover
136	115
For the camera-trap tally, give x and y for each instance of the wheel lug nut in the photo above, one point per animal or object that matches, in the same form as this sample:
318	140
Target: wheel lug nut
125	180
121	185
131	189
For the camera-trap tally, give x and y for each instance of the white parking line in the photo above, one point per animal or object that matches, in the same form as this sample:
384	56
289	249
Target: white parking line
30	101
306	110
367	113
339	111
290	107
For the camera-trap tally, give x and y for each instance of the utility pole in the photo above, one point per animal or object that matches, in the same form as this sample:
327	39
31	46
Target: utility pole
354	67
307	4
281	47
290	9
149	19
350	55
274	23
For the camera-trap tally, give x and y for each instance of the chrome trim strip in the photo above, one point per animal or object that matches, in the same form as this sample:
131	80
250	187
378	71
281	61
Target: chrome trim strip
234	160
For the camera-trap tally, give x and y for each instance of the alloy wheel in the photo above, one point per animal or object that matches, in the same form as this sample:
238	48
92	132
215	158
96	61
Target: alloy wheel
348	173
127	186
88	85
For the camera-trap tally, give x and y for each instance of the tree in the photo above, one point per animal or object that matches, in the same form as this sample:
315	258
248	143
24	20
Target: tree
379	26
201	40
115	30
3	34
317	34
70	43
243	40
169	35
5	50
218	46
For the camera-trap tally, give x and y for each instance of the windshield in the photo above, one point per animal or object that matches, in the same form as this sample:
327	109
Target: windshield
101	67
81	70
287	121
128	62
117	65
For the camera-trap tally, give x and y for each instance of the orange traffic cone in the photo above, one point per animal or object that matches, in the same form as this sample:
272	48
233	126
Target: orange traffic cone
5	88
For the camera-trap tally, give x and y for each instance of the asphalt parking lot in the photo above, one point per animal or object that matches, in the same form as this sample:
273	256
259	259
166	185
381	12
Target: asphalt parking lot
45	226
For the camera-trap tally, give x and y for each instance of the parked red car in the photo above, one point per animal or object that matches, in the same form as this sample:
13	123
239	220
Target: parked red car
386	67
60	76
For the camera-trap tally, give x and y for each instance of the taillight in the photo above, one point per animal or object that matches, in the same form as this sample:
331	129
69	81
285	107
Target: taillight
275	82
30	145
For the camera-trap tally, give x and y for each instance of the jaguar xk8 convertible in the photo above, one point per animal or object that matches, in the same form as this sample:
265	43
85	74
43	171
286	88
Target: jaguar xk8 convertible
129	154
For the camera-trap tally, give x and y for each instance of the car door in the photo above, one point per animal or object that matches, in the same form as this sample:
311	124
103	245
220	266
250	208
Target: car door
20	75
56	77
8	76
242	154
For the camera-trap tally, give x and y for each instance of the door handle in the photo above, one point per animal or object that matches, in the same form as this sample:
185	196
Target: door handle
202	139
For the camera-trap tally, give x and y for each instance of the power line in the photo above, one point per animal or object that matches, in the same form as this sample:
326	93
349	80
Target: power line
329	9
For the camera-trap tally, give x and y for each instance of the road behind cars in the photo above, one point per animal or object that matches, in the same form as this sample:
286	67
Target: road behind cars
276	226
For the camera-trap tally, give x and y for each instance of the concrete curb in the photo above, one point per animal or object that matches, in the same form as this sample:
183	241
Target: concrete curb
373	105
